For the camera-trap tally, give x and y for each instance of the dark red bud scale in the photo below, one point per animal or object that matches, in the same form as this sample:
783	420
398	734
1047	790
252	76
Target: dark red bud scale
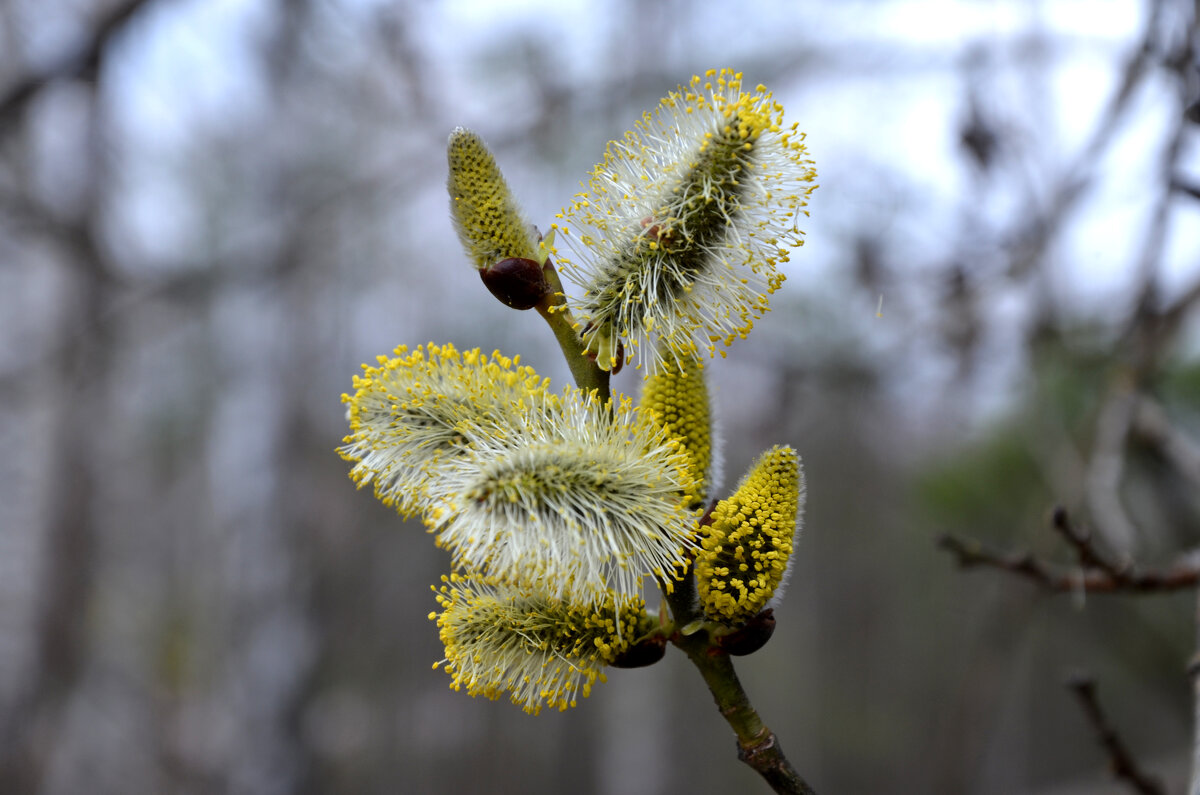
646	652
751	636
517	282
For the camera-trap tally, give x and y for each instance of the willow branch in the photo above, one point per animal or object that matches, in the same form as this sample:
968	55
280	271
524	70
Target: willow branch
554	310
1106	465
1183	573
1153	426
757	745
1194	674
1122	762
1086	551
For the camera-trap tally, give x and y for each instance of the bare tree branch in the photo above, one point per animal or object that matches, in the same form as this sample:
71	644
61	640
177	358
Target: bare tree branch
1106	464
1032	238
1186	187
1183	573
1122	762
84	60
1152	425
1194	674
1089	554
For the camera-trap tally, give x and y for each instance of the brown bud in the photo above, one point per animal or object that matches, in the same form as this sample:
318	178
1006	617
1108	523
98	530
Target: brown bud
517	282
751	636
643	653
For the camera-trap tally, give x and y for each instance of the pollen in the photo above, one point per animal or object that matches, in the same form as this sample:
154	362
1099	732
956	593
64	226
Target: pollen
486	216
542	652
584	499
748	547
675	398
414	412
685	260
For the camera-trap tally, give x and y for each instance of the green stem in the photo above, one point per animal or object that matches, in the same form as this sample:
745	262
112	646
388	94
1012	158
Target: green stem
553	309
757	745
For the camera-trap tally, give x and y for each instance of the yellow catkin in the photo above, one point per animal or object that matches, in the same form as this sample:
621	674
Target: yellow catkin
501	638
488	219
747	547
584	497
409	413
683	224
675	398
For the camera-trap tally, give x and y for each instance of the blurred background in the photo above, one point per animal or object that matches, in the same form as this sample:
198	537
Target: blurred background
213	211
